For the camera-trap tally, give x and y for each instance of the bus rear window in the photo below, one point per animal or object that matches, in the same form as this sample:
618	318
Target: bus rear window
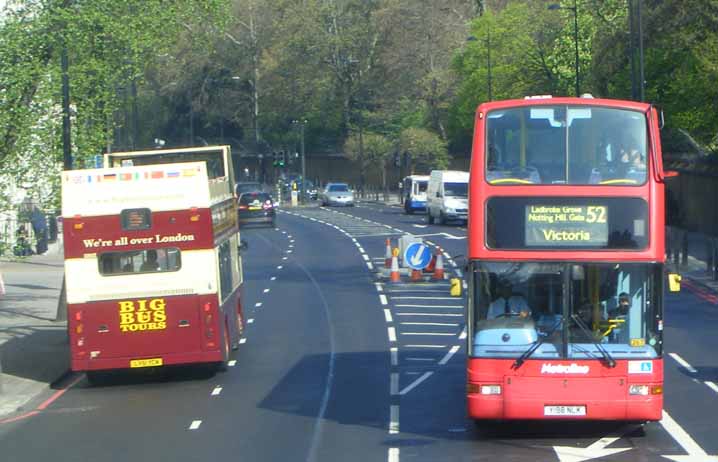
139	261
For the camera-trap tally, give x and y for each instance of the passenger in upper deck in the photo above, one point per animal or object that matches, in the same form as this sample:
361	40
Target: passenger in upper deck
151	263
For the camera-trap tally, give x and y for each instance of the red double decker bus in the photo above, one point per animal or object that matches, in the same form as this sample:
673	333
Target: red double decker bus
566	255
152	264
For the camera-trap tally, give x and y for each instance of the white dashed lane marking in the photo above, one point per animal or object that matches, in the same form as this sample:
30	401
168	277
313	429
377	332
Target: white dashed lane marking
216	391
195	424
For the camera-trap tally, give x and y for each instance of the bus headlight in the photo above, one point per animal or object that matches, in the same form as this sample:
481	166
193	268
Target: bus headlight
640	390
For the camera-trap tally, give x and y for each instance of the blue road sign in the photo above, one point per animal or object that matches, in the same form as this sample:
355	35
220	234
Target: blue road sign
98	161
417	256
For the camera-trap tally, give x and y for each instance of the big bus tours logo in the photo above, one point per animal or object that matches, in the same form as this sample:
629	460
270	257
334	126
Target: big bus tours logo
141	315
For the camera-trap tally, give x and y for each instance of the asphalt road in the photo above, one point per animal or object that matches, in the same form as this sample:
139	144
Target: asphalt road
338	366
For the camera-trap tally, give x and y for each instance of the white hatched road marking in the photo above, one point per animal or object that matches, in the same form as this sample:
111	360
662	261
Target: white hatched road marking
393	419
392	334
425	346
416	383
448	324
195	424
429	314
387	315
683	363
382	299
448	356
430	334
406	297
431	306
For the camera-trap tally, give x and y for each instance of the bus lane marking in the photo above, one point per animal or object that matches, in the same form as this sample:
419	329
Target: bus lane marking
394	384
394	354
383	300
195	424
387	315
392	334
393	419
683	363
393	455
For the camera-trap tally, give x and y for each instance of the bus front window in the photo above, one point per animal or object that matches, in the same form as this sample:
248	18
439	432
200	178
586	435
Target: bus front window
570	310
566	145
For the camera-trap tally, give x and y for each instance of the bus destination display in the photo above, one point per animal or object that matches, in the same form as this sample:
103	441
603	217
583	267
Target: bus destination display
566	225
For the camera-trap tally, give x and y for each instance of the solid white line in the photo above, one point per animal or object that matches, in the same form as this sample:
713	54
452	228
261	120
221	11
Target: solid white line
406	297
462	335
429	314
258	304
393	455
415	383
712	385
273	278
681	436
394	353
243	340
435	334
448	356
425	346
430	243
437	290
232	363
382	299
450	324
393	419
216	391
431	306
378	286
266	290
392	334
420	359
387	315
195	424
683	363
394	384
370	266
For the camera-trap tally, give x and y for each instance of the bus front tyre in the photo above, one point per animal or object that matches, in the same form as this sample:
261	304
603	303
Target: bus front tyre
431	219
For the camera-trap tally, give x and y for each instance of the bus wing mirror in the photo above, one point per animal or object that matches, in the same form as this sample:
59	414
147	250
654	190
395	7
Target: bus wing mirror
670	174
674	282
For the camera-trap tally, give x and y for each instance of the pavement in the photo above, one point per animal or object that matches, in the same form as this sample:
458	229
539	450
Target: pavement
33	346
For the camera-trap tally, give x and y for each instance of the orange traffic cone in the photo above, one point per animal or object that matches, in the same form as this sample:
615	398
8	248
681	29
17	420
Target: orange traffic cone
394	275
430	267
439	268
387	254
416	276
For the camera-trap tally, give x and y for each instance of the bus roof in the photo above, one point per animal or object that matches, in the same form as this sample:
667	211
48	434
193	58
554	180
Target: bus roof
107	191
566	100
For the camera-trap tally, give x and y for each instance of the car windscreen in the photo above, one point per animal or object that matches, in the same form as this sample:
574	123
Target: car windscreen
456	189
338	188
248	187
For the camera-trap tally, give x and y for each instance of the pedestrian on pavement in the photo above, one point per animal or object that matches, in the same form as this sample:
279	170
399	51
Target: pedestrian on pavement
675	233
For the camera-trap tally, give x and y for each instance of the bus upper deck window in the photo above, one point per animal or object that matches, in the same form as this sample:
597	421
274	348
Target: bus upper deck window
133	219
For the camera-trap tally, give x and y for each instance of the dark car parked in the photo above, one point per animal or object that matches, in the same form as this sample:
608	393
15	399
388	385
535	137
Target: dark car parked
256	208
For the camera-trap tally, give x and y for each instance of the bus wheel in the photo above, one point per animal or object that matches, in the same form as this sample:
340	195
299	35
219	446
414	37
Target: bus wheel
431	218
442	218
222	365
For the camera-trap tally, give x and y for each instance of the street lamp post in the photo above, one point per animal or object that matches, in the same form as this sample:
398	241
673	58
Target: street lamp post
573	8
302	123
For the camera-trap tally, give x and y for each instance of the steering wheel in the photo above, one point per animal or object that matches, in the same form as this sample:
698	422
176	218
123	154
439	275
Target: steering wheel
509	315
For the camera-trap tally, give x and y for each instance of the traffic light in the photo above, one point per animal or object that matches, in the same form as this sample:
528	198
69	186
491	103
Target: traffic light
282	159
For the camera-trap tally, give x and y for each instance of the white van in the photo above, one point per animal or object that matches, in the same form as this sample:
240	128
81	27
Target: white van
448	196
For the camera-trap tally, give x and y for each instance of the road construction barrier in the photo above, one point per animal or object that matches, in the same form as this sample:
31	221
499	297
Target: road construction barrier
455	287
394	275
439	266
416	275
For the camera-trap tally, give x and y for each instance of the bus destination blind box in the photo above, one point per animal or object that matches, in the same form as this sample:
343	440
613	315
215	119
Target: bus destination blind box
136	219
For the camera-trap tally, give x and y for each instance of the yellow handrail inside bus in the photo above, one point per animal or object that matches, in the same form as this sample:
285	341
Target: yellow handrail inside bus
510	180
619	181
612	324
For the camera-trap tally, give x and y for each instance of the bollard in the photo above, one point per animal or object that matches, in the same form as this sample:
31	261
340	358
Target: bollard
455	288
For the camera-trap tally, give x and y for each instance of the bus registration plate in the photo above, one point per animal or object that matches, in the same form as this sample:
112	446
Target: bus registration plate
564	410
150	362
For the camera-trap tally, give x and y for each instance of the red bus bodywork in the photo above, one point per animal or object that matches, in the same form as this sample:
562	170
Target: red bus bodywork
129	320
526	390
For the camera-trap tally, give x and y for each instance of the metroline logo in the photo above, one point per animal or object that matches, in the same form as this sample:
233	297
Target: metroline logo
548	368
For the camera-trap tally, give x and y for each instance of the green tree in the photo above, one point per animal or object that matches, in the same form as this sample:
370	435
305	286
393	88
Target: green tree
426	149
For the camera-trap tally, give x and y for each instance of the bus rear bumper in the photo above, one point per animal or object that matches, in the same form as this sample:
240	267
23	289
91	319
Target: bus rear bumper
482	407
98	364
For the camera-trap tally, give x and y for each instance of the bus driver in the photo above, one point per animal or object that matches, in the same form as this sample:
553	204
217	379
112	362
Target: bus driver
508	304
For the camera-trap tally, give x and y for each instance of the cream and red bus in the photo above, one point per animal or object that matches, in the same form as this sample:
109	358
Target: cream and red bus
152	264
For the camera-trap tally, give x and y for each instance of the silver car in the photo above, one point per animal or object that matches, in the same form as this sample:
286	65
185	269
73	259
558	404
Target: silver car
337	194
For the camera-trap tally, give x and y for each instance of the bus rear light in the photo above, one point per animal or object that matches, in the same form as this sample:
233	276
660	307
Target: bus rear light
78	315
79	328
657	390
79	225
211	345
207	307
194	218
